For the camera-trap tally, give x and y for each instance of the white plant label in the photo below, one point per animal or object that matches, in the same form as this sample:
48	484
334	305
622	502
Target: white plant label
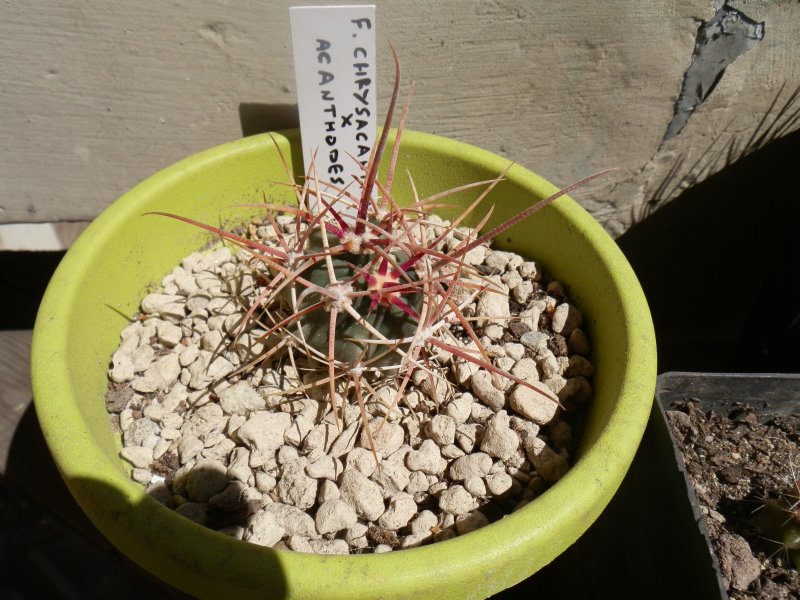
334	66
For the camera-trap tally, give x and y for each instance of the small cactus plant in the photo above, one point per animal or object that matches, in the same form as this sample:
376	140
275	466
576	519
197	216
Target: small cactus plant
367	290
778	520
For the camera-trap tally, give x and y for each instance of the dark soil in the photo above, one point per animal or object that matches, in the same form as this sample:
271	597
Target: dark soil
741	470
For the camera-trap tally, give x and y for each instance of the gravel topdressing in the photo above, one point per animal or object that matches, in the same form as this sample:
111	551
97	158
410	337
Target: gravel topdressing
231	450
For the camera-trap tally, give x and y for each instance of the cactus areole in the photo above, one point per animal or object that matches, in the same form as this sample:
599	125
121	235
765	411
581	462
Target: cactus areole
392	307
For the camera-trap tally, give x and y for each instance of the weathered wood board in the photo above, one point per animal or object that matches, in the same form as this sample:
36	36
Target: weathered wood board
94	97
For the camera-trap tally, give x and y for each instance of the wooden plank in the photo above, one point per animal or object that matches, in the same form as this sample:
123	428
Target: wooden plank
96	97
15	389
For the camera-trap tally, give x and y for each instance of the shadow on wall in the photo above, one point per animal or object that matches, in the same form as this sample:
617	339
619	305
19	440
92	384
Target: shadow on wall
719	265
258	118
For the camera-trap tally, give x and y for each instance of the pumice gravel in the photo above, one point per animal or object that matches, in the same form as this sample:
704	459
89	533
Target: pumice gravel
230	449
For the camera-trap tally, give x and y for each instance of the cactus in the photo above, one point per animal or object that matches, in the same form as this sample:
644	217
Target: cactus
778	520
364	292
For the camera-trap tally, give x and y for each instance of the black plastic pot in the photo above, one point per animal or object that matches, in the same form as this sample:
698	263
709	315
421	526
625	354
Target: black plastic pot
769	395
650	542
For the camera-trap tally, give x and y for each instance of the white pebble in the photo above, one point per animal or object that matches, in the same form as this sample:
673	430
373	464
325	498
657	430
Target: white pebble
566	318
532	405
161	447
475	486
208	367
139	456
548	364
164	305
500	441
188	355
392	476
535	340
530	270
207	478
328	490
169	334
204	421
556	383
512	279
526	369
286	454
265	482
530	317
333	516
263	529
482	386
189	447
298	543
298	430
514	350
263	433
460	408
295	487
400	511
329	546
417	482
346	440
469	436
362	494
471	465
441	429
452	451
219	451
239	467
550	465
476	256
292	519
457	501
424	523
142	432
142	476
492	302
497	259
356	536
522	292
493	331
415	540
428	459
126	419
121	368
158	376
241	399
362	460
319	440
498	483
327	467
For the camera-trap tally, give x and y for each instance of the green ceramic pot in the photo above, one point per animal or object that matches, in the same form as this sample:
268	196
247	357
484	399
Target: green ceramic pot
100	282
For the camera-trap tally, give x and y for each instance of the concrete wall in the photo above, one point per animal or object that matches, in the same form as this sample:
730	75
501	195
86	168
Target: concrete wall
95	96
